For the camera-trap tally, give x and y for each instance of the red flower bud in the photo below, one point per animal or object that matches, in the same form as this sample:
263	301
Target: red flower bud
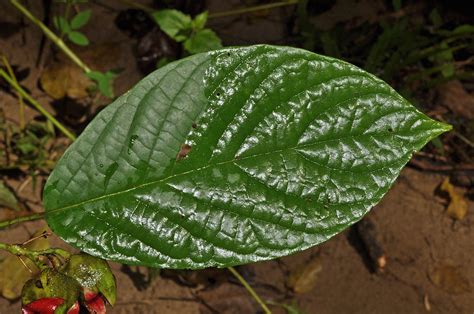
42	306
94	302
48	306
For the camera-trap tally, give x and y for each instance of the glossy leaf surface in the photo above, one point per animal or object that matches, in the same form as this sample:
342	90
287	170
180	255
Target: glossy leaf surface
233	156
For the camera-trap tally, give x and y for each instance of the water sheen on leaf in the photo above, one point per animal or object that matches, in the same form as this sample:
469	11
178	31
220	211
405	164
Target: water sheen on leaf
284	149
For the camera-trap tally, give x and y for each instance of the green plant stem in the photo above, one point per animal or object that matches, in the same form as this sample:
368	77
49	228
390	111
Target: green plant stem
253	9
55	39
34	256
250	290
37	105
224	13
20	98
138	5
7	223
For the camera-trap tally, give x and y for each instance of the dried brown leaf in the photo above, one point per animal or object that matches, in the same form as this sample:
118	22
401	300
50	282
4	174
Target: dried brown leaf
450	279
62	79
304	279
457	207
14	274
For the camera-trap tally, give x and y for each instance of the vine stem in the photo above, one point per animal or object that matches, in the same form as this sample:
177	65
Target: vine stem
250	290
55	39
20	98
36	104
256	8
253	9
34	256
7	223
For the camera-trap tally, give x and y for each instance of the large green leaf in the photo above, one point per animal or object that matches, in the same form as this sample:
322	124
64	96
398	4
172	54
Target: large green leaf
233	156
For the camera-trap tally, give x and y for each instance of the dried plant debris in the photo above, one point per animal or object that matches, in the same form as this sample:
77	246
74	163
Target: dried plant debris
15	271
457	207
61	79
450	279
303	279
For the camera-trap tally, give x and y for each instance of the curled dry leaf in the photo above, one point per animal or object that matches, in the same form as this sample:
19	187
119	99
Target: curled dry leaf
457	207
304	279
13	273
450	279
61	79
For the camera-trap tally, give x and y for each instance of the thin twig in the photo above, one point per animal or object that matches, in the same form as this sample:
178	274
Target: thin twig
24	264
250	290
7	223
34	256
45	234
20	98
138	5
54	38
36	104
256	8
464	139
253	9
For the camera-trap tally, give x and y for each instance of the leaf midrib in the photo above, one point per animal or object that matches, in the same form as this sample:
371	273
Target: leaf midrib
162	180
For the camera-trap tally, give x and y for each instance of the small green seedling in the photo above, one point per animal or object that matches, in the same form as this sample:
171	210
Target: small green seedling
191	32
70	28
104	81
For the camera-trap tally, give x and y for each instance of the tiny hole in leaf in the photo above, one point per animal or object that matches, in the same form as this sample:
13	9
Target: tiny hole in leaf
38	284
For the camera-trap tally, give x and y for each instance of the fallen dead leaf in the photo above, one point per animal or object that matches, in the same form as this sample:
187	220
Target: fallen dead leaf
304	279
63	78
13	274
453	96
450	279
457	207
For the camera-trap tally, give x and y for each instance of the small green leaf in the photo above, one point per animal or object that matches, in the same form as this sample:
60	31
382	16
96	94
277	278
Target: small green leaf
163	61
397	4
49	284
78	38
202	41
14	274
7	198
61	24
93	274
233	156
200	21
173	22
104	81
80	19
